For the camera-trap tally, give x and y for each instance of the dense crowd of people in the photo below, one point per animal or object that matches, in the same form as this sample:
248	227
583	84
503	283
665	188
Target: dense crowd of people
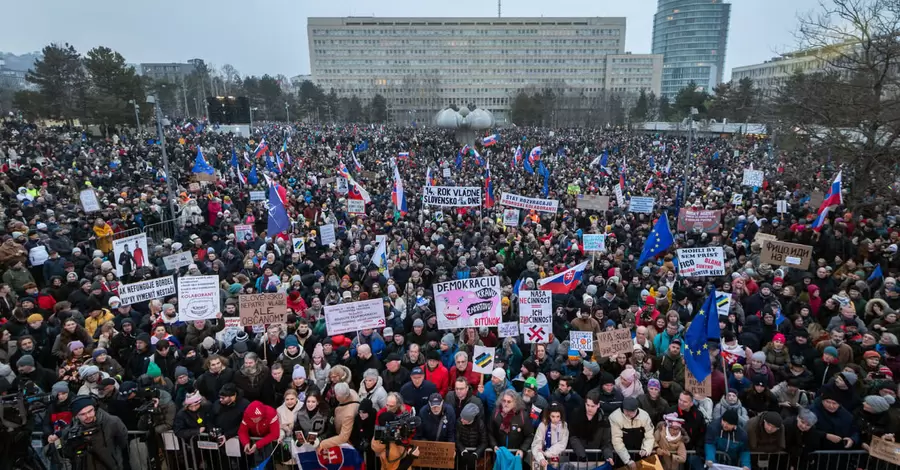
806	361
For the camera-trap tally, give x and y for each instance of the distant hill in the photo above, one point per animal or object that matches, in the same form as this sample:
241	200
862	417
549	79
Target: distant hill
22	62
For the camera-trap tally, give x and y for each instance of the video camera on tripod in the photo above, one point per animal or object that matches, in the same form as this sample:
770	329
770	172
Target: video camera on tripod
398	430
17	409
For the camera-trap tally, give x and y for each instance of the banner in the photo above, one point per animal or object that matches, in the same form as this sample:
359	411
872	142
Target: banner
753	178
483	359
354	316
178	260
326	232
529	203
581	340
590	201
257	196
786	254
198	297
263	309
89	200
451	196
511	217
507	329
706	261
243	233
641	205
536	315
146	290
595	242
130	253
468	302
356	206
698	220
611	343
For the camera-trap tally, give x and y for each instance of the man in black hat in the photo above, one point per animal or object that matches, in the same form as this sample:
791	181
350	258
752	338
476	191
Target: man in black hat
766	433
108	447
228	411
438	420
394	374
631	429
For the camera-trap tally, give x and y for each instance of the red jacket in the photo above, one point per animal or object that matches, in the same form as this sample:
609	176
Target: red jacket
259	421
439	377
473	378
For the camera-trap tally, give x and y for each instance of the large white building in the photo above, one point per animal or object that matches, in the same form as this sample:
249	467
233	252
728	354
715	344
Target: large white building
424	64
769	75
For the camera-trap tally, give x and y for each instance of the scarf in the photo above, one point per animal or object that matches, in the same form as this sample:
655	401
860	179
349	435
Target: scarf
506	421
670	437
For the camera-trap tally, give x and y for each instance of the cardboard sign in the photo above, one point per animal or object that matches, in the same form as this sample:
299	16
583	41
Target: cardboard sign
257	195
368	174
761	237
781	206
327	181
816	198
146	290
885	450
468	302
483	359
529	203
194	187
581	340
451	196
641	205
89	200
178	260
130	253
779	253
511	217
595	242
198	297
354	316
705	261
507	329
435	454
243	233
536	315
356	206
594	202
446	173
326	232
698	220
263	309
753	178
205	177
611	343
737	199
703	389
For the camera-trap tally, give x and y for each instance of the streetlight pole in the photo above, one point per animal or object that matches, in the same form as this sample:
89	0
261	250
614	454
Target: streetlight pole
287	111
687	156
162	145
137	117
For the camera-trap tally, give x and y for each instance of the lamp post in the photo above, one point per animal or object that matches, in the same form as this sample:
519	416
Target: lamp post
251	116
162	145
287	111
687	156
137	117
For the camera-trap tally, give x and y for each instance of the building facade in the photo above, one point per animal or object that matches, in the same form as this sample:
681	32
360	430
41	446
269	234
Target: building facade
173	72
421	65
692	36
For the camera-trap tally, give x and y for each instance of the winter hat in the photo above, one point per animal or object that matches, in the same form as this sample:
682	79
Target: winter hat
831	351
469	412
592	366
81	403
778	338
242	337
448	339
59	387
193	399
878	403
240	348
299	372
153	370
573	355
115	302
25	361
370	374
653	383
98	352
35	317
808	416
630	404
418	323
673	421
291	340
499	373
849	377
531	383
772	418
87	371
143	337
75	345
730	416
208	343
6	371
873	354
181	370
387	333
759	356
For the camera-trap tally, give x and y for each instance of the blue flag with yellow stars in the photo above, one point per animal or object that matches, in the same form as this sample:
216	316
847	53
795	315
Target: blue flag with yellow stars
704	328
660	240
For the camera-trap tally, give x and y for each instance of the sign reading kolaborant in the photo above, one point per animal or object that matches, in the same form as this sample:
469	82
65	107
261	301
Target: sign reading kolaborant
529	203
536	315
146	290
641	205
753	178
706	261
263	309
786	254
611	343
354	316
468	302
198	297
130	253
451	196
594	242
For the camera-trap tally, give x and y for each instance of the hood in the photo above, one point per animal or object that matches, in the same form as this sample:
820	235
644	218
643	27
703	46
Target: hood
258	410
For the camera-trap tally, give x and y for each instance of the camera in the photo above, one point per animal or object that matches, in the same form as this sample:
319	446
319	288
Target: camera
80	439
398	430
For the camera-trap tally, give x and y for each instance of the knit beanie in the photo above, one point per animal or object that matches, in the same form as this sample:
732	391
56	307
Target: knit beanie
208	343
299	372
808	416
469	412
831	351
59	387
592	366
25	361
181	370
35	317
153	370
759	356
773	418
75	345
291	340
192	398
448	339
849	377
878	403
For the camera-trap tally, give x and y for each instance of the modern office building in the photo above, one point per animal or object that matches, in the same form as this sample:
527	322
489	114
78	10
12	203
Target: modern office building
692	36
631	73
421	65
769	75
173	72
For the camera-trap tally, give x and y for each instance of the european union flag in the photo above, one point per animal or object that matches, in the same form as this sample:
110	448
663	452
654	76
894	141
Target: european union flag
876	274
604	159
200	165
234	159
528	167
704	328
361	147
660	240
278	218
253	178
459	161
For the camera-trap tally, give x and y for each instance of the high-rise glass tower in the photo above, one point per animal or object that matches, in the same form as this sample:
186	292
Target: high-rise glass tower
692	35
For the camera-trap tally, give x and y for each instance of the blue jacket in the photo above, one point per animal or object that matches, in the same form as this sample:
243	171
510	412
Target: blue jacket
733	443
489	397
661	342
447	357
840	423
439	428
506	460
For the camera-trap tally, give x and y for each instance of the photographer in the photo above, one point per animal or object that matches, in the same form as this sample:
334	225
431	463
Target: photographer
393	457
96	438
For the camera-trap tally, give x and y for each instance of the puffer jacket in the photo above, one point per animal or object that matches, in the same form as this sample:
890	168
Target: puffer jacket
377	395
760	440
626	431
777	360
724	406
671	453
470	436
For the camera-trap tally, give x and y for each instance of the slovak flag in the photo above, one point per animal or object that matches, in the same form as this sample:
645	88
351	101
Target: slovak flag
287	156
354	190
649	184
333	458
490	140
403	155
465	150
356	163
397	195
834	196
279	163
820	219
517	157
429	180
534	155
564	282
733	354
488	187
622	180
478	160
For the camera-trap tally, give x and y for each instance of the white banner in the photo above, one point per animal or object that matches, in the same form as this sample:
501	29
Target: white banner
257	196
483	359
354	316
594	242
130	253
356	206
198	297
753	178
620	198
507	329
326	232
178	260
641	205
511	217
468	302
146	290
536	315
529	203
89	200
451	196
707	261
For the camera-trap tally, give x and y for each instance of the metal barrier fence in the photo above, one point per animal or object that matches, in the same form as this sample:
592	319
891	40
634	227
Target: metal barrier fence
156	232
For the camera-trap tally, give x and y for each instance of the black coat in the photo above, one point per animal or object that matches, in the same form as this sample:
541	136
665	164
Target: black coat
518	437
228	418
471	436
393	382
209	384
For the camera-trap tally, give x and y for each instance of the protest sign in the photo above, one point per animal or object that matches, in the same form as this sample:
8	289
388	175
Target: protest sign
536	315
611	343
786	254
816	198
483	359
781	206
446	173
130	253
641	205
263	309
194	187
761	238
354	316
327	181
198	297
723	303
595	242
243	233
89	200
573	189
178	260
529	203
581	340
326	232
356	206
620	199
591	201
451	196
341	186
698	220
753	178
299	245
885	450
511	217
507	329
702	389
705	261
146	290
433	454
257	195
737	199
468	302
232	328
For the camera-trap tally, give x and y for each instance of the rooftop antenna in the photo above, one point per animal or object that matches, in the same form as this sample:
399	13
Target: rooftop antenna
498	8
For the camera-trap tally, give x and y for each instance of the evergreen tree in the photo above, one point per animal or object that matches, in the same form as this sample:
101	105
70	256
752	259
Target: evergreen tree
60	79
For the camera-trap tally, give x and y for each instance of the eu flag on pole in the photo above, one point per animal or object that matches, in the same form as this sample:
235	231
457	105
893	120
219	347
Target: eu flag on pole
200	165
253	178
528	167
704	327
278	218
660	240
876	274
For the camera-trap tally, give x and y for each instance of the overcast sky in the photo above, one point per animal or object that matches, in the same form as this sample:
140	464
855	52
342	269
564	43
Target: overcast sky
269	36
